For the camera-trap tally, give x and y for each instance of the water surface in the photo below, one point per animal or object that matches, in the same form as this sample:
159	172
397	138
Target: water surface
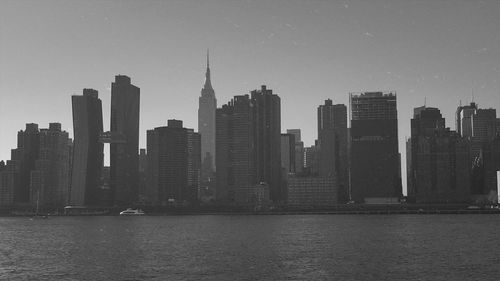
241	247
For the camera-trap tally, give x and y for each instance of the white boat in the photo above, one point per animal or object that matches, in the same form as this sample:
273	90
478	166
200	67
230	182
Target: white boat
132	212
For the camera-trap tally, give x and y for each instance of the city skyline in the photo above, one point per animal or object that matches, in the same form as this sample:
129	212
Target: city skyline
313	51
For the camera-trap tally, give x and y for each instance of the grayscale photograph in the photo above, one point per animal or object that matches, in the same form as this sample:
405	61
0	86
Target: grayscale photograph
249	140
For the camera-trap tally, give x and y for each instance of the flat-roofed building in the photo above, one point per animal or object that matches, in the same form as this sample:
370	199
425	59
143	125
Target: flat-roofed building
88	151
311	191
8	176
375	159
50	180
173	165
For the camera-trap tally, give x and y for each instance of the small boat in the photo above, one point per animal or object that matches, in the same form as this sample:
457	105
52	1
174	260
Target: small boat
132	212
85	211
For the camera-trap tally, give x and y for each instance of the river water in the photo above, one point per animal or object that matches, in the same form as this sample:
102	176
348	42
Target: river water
249	247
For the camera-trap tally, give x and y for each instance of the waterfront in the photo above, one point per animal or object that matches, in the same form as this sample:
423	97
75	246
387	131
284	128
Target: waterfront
247	247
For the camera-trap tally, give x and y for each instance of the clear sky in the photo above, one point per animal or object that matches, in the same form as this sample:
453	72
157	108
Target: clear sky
306	51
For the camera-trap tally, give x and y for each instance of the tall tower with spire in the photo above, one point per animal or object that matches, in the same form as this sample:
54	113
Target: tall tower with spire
206	125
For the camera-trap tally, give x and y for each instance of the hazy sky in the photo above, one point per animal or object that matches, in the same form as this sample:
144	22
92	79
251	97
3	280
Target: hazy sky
306	51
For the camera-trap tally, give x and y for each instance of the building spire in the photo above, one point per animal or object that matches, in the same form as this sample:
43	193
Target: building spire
208	83
208	58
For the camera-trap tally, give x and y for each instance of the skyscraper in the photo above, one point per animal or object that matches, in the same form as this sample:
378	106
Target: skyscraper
375	159
480	127
206	124
439	160
174	164
24	156
50	180
463	118
332	141
288	153
124	148
267	120
299	150
483	141
484	122
194	164
235	148
87	150
248	146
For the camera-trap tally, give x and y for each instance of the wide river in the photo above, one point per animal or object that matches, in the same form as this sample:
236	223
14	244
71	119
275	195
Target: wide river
249	247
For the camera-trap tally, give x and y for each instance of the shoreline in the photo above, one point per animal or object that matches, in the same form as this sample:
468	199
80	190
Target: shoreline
282	212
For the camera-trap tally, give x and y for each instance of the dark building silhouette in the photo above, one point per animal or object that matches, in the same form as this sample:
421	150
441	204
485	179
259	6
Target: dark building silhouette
105	198
124	147
311	191
299	150
267	120
375	160
50	180
498	127
88	155
194	164
248	147
173	164
143	182
484	140
24	156
288	153
8	174
235	148
332	142
311	160
206	125
479	126
439	160
287	161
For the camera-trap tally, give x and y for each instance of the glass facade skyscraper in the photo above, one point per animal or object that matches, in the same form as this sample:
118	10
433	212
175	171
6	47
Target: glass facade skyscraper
375	159
87	149
124	148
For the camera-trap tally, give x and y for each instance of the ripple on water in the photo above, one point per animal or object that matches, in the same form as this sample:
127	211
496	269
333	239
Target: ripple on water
295	247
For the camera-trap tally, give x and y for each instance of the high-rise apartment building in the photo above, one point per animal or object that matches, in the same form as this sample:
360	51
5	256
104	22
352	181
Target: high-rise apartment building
8	176
88	155
235	148
50	180
438	160
124	147
375	159
332	142
206	125
173	165
267	120
24	156
249	145
194	164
